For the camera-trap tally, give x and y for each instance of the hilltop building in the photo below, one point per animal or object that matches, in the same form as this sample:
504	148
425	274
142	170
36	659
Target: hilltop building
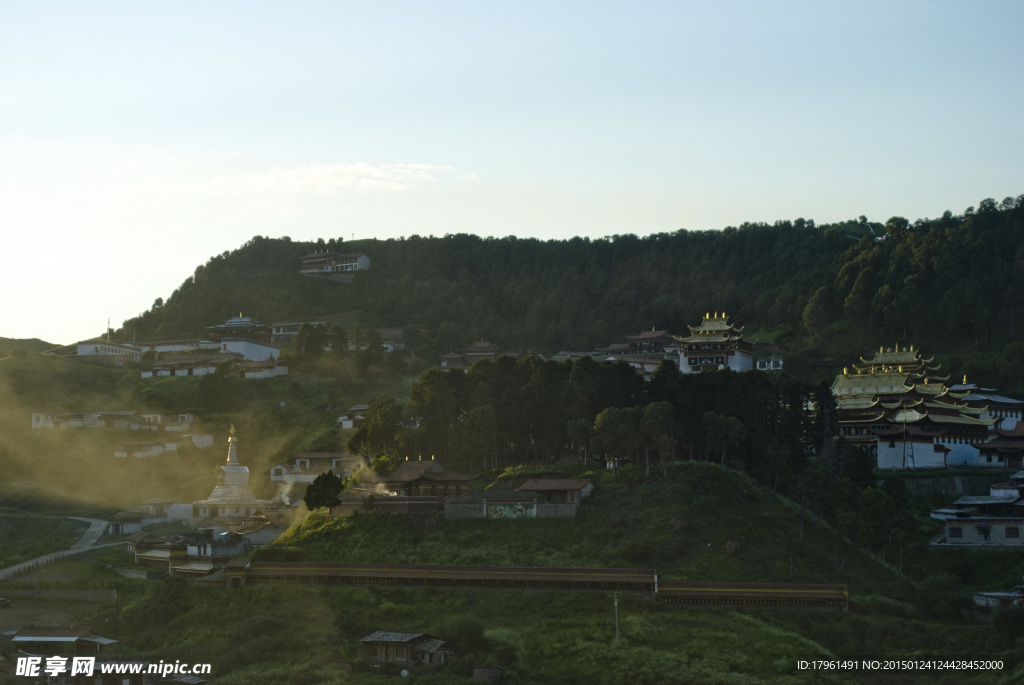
232	498
482	349
334	263
714	344
897	405
650	343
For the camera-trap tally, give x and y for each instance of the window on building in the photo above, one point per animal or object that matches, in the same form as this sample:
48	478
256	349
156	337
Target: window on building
1013	531
399	652
956	532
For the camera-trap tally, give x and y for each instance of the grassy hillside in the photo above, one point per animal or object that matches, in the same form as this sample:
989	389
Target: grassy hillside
22	346
25	535
678	525
301	634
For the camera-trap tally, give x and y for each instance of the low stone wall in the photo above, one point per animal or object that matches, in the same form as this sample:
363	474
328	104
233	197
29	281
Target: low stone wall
954	485
464	511
566	511
476	510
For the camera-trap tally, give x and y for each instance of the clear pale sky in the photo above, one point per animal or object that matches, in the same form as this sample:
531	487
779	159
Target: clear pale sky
137	139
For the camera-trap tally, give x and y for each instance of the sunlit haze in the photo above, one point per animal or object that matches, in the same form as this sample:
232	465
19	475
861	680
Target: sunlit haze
139	139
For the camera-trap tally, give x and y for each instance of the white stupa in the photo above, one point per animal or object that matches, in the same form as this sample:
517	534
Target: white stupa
232	498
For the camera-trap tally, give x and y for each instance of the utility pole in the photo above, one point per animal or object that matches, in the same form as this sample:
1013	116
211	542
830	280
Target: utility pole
616	599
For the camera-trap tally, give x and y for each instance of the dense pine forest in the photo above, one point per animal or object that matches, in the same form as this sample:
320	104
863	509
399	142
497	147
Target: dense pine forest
952	285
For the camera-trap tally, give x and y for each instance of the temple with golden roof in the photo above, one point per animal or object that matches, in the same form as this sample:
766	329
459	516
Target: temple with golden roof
715	344
898	405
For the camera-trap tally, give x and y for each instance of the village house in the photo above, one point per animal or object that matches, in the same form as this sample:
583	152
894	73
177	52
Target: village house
559	490
105	352
535	498
425	478
651	343
286	332
404	649
264	369
306	466
469	355
56	641
993	521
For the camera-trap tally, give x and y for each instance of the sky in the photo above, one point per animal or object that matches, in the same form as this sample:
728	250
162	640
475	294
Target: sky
139	139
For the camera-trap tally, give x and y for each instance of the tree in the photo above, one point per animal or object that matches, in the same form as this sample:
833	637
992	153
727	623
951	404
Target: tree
323	492
896	228
617	433
815	315
310	341
337	340
722	432
657	424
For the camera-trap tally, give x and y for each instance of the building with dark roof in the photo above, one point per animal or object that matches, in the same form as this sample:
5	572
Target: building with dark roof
407	649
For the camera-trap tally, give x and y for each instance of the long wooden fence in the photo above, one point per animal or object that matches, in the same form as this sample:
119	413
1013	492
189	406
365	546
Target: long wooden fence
644	581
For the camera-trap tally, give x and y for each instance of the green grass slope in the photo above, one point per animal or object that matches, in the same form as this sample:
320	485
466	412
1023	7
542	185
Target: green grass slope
678	525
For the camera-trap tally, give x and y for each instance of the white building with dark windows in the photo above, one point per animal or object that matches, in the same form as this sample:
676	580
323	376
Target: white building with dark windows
334	263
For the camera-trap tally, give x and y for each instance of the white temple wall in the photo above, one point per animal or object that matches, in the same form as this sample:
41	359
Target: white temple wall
961	454
922	456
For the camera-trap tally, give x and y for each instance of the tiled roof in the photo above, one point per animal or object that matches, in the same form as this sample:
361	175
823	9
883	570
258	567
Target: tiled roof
409	471
385	636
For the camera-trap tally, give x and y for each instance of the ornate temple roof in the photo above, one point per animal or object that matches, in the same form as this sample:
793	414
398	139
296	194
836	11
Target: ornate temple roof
871	384
713	328
857	402
894	357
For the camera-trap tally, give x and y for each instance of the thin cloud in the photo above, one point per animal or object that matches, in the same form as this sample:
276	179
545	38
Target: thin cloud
323	179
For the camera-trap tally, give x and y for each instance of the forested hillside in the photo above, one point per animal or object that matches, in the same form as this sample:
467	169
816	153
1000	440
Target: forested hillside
952	284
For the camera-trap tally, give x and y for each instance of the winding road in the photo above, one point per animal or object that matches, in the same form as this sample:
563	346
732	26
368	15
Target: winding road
85	543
